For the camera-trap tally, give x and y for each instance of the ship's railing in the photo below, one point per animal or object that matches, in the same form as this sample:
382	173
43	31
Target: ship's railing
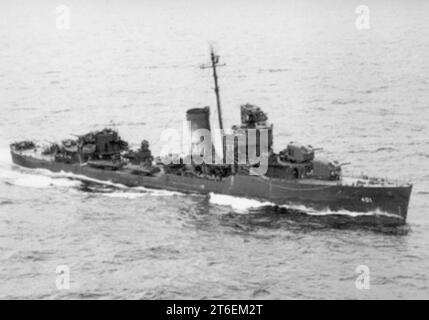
372	180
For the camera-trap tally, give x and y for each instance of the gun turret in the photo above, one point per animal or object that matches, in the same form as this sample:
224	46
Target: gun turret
296	152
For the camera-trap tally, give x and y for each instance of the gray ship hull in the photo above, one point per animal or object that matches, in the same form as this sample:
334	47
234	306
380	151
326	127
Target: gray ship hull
390	201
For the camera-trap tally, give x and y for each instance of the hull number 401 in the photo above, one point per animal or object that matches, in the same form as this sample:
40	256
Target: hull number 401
366	199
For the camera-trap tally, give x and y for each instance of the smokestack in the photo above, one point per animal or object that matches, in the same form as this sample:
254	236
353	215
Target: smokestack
199	118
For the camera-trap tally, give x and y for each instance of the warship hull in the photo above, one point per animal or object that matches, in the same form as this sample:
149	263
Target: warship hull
334	196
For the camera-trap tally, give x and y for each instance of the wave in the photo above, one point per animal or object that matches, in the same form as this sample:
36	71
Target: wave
278	70
139	192
61	111
26	179
3	202
43	178
135	190
371	90
125	195
35	178
244	205
238	204
44	182
389	149
116	190
273	70
344	102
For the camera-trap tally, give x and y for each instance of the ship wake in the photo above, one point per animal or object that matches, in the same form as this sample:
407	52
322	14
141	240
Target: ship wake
33	178
41	178
252	213
244	205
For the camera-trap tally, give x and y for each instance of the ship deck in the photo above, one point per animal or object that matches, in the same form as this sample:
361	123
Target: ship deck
362	181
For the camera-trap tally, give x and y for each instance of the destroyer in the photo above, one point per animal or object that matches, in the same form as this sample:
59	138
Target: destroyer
294	176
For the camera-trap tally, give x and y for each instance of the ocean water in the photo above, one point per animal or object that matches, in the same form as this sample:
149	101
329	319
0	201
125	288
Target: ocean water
361	95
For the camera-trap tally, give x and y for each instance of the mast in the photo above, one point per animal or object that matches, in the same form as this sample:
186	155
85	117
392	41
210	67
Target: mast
214	64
